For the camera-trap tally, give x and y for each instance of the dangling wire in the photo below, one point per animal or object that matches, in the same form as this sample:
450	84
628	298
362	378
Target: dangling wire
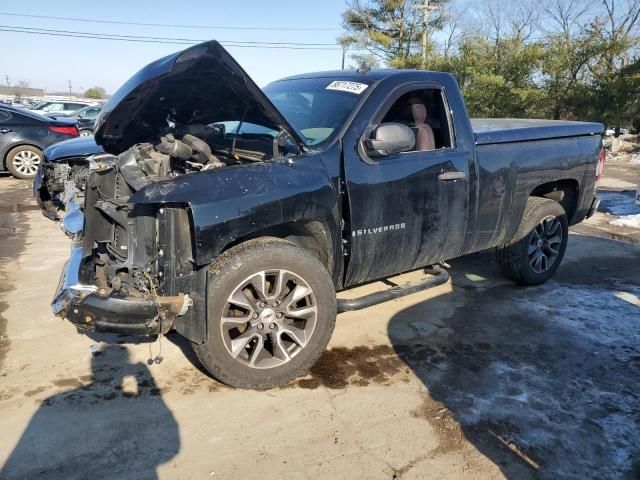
154	296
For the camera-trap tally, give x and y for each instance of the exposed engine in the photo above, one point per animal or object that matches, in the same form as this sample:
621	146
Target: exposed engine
144	250
145	163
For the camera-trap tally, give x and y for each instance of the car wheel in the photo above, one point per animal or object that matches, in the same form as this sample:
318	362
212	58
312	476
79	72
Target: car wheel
23	161
271	310
535	253
86	133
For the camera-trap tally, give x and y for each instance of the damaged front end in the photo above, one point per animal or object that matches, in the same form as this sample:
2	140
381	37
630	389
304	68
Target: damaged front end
131	268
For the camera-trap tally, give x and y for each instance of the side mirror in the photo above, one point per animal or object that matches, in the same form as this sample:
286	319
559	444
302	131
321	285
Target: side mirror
390	138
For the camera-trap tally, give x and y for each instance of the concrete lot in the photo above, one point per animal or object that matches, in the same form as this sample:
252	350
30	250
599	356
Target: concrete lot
476	379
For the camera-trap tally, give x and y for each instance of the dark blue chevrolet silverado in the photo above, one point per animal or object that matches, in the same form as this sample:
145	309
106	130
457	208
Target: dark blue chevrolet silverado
233	214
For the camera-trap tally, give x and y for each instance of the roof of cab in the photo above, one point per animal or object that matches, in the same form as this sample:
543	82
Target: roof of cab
377	74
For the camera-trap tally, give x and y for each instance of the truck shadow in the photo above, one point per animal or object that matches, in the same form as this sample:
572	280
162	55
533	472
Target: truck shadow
543	381
113	424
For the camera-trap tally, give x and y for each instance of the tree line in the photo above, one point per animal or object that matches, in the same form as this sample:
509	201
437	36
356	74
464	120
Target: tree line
560	59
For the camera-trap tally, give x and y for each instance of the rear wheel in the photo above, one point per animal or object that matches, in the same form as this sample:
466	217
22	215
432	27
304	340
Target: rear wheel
539	244
23	161
270	314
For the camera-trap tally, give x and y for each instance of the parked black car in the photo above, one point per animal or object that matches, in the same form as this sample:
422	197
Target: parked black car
24	135
234	214
85	117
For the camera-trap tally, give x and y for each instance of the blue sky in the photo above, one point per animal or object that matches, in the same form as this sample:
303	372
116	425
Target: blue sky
47	61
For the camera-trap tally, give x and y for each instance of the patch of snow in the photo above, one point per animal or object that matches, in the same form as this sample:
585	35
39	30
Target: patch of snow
601	315
632	221
570	389
618	203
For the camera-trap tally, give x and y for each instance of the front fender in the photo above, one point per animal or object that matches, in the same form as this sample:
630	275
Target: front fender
234	202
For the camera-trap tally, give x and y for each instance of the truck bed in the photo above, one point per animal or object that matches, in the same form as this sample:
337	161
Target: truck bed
508	130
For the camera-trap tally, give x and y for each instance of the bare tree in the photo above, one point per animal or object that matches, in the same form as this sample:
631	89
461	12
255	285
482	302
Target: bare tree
621	22
523	17
500	18
567	17
453	32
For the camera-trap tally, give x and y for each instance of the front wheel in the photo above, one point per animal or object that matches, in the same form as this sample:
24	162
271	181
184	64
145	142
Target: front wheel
271	310
535	253
86	132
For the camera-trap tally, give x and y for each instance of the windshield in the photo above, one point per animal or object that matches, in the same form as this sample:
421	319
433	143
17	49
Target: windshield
316	107
86	112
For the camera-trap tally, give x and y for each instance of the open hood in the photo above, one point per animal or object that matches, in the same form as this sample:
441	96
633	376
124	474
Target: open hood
200	85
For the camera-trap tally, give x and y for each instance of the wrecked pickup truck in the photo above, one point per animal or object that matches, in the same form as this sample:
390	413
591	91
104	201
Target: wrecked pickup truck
233	214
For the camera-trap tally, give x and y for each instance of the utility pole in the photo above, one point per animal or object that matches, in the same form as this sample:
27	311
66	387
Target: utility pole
426	10
69	88
6	77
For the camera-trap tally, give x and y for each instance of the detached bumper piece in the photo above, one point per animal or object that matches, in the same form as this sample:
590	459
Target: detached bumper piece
94	309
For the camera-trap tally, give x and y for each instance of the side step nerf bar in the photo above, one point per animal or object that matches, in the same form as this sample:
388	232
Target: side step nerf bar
436	276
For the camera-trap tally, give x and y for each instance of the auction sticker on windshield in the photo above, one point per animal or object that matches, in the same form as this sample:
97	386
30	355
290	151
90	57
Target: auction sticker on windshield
344	86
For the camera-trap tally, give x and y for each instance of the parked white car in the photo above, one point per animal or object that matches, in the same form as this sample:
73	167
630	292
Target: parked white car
611	131
59	107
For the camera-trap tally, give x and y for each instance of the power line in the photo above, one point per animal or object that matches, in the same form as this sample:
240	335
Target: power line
165	40
190	40
116	22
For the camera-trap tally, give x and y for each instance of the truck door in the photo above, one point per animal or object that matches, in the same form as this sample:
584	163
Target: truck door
407	209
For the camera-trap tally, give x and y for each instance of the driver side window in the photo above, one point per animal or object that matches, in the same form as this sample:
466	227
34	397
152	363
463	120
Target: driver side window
424	112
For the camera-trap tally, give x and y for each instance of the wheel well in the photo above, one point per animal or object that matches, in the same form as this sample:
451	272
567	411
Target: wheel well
565	192
312	235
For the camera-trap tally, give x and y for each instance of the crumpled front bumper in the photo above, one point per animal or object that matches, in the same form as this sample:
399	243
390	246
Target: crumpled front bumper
94	309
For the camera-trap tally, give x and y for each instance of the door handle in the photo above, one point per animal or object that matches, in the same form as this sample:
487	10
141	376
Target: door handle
5	130
449	176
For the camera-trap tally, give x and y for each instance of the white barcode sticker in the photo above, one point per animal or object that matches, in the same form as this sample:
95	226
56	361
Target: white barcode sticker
344	86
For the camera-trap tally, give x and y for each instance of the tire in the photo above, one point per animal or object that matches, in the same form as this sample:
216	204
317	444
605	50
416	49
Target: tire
23	161
543	232
292	336
86	132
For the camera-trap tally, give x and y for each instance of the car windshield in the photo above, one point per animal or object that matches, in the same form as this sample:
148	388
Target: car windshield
86	112
317	107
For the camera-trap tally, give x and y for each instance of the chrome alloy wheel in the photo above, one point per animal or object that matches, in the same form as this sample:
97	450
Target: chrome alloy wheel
268	319
26	162
544	244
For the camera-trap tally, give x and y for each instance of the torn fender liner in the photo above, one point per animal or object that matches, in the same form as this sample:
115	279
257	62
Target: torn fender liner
200	85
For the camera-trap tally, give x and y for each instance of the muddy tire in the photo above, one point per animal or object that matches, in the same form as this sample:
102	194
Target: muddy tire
535	252
23	161
271	310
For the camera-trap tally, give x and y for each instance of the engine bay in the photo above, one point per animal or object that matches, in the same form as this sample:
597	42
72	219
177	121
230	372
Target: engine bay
128	243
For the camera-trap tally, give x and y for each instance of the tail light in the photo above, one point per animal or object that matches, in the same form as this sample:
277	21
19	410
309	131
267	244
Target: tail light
73	131
600	168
